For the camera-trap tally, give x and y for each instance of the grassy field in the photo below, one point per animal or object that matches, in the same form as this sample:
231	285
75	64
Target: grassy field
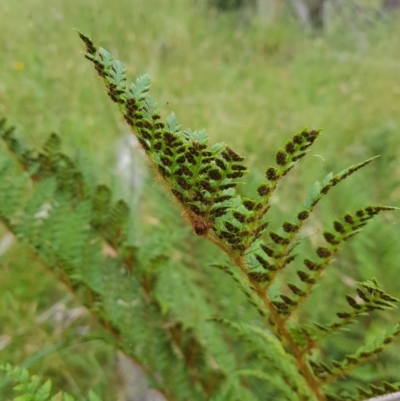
250	85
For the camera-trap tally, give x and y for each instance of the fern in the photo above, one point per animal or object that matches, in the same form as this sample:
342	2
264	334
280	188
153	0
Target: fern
29	387
231	329
203	179
67	230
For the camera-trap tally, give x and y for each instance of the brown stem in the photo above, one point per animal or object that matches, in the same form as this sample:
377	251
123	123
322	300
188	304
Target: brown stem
283	333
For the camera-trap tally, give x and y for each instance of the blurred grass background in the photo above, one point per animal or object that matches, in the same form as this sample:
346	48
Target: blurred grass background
250	82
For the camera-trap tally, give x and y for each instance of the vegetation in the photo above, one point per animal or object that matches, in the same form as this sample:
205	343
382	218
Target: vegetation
30	388
360	252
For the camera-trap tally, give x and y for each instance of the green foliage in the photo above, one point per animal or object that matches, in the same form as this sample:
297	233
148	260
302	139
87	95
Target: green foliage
29	387
81	234
70	225
203	178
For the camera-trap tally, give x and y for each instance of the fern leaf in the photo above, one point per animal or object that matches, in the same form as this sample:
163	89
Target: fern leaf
345	229
268	347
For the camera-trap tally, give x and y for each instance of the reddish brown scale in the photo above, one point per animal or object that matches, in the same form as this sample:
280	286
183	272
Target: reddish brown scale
271	174
269	251
146	134
249	204
88	44
158	146
330	238
190	158
214	174
325	189
348	219
338	226
168	152
144	143
259	277
206	185
220	164
304	277
147	124
186	171
178	194
239	216
219	211
323	252
297	139
352	302
289	227
128	119
234	241
166	161
298	157
226	156
183	183
195	209
158	134
233	155
287	300
169	137
281	158
138	115
263	190
296	290
164	172
222	198
262	262
290	148
198	196
240	247
226	234
238	167
201	227
193	151
204	169
230	227
236	174
227	186
343	315
303	215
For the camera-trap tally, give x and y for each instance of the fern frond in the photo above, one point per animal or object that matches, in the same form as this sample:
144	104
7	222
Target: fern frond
67	232
266	346
363	354
345	229
282	246
29	387
370	297
150	297
203	181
